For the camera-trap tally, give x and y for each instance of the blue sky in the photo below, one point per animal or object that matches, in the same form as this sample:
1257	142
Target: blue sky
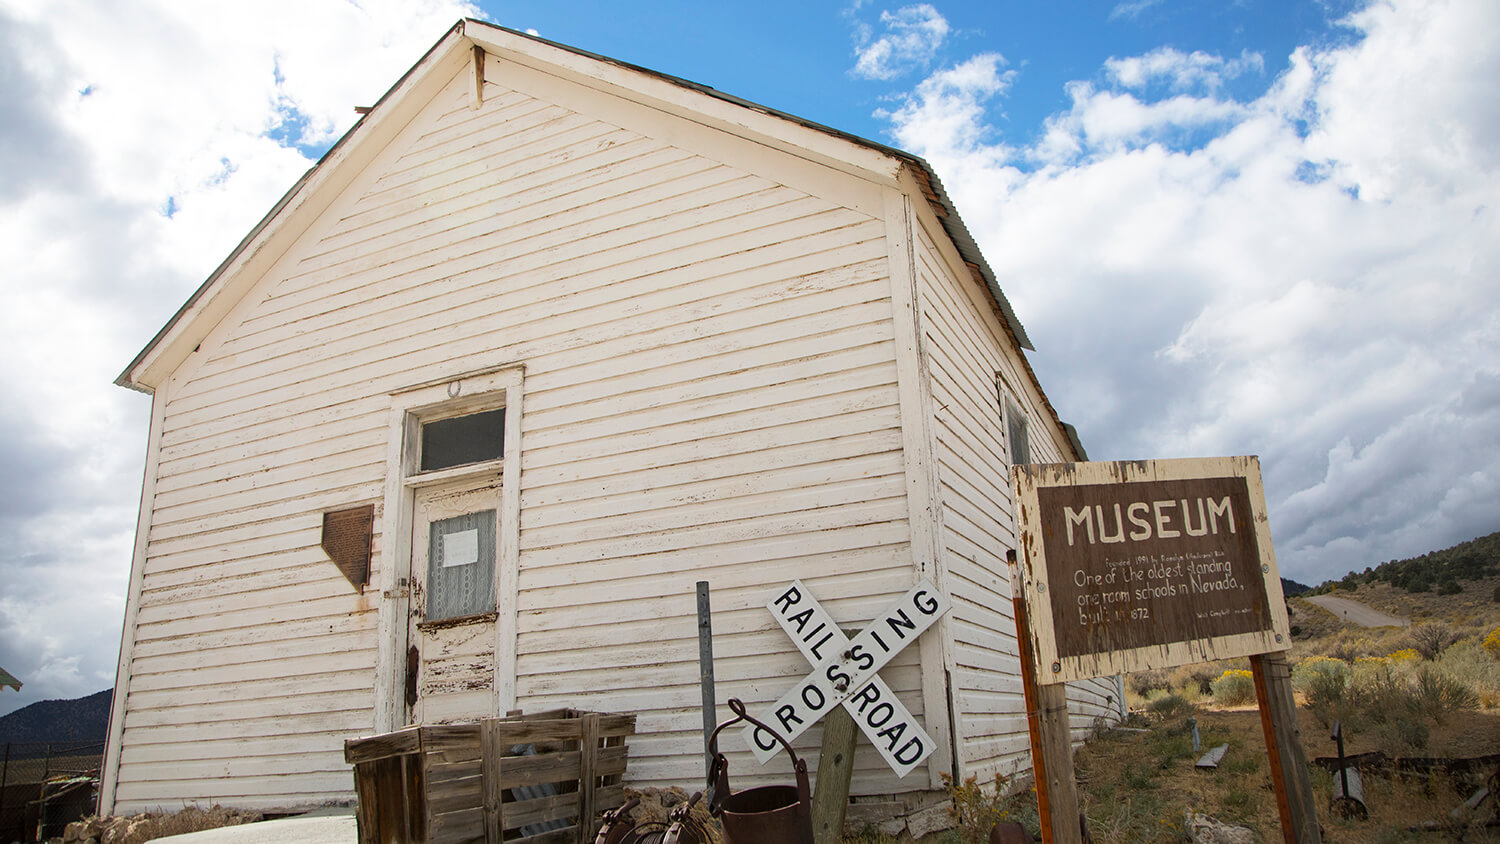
1253	227
799	57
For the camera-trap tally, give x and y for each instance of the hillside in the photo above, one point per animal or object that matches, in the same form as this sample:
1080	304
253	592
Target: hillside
1292	587
84	719
1441	571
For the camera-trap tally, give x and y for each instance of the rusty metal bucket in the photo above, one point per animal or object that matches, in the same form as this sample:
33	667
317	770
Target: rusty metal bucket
768	814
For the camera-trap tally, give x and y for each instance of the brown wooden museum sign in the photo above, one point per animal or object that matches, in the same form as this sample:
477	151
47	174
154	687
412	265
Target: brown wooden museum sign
1147	564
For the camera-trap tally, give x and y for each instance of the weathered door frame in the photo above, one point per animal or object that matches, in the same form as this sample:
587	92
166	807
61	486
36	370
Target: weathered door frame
410	407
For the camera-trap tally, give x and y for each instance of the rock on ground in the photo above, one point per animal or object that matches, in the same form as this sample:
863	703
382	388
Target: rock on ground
1206	830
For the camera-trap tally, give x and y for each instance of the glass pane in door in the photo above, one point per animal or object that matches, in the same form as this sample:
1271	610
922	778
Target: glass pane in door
461	566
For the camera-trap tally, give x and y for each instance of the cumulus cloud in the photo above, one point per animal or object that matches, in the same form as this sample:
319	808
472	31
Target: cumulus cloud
949	106
1181	70
141	140
909	40
1311	275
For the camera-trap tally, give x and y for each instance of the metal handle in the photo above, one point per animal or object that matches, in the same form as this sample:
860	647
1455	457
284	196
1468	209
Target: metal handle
718	772
737	706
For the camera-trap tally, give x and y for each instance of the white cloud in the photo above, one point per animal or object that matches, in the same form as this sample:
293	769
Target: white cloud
1132	8
1105	122
1182	71
1423	59
949	106
115	114
1312	275
911	38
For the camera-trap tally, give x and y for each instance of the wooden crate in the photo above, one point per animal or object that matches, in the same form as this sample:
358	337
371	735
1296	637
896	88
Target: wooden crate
526	779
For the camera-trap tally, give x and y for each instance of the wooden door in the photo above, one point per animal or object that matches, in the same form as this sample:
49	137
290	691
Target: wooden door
451	656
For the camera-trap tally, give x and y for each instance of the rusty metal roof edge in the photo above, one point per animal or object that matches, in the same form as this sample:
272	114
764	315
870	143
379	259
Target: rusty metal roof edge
959	233
953	224
1072	433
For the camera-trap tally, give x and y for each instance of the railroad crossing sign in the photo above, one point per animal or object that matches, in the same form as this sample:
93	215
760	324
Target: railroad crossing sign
845	671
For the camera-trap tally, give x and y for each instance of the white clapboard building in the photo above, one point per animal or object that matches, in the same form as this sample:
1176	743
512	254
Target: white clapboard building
544	340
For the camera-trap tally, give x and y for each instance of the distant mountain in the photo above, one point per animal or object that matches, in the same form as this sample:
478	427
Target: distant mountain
83	719
1440	570
1292	588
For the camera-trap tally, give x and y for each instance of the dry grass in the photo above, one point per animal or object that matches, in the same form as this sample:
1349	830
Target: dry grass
1137	785
1134	787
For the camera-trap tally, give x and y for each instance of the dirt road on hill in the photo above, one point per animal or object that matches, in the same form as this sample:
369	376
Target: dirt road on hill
1356	613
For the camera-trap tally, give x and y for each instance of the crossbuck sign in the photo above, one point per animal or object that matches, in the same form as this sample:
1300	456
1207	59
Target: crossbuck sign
844	672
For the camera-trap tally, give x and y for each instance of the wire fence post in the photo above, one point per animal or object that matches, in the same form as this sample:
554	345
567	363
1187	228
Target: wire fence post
4	770
41	806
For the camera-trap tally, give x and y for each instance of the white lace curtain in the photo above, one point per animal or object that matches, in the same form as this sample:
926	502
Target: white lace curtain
461	566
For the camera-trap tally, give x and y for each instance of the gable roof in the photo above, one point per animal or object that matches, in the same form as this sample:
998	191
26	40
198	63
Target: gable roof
232	279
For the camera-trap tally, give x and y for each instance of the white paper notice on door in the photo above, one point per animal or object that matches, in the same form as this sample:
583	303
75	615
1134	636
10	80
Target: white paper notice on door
461	548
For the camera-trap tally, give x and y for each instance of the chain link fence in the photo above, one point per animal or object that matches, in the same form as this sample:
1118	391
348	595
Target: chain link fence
44	786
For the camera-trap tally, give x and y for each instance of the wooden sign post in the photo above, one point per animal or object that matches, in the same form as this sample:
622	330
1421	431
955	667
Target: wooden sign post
1051	743
1130	566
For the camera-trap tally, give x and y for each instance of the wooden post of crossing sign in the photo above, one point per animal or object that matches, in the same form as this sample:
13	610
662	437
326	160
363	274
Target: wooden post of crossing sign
845	673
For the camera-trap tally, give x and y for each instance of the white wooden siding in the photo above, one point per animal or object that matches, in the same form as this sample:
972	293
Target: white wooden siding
710	394
967	345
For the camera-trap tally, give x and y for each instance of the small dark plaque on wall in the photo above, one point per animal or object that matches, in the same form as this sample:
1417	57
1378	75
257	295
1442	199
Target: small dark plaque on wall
347	536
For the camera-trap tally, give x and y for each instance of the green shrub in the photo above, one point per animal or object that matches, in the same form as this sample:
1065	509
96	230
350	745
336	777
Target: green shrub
1326	701
1196	678
1390	707
1440	693
1322	682
1349	646
1144	683
1475	663
1431	638
1404	735
1233	688
1169	706
1138	777
1314	668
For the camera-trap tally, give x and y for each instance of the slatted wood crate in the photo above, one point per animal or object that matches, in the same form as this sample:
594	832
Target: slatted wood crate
525	779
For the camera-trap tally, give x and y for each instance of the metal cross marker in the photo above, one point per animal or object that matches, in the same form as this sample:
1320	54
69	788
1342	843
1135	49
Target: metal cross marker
844	672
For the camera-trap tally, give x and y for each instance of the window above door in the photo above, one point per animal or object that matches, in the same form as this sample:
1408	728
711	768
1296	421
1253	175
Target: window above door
458	427
462	440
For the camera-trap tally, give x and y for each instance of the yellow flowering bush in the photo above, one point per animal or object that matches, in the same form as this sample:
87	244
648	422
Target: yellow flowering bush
1492	643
